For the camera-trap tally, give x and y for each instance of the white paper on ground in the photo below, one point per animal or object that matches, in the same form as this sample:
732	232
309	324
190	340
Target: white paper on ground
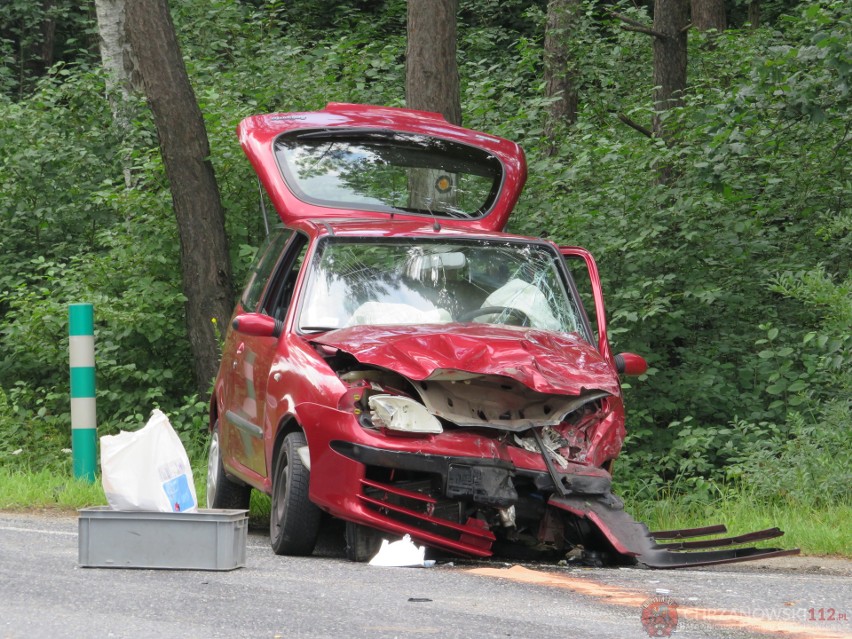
402	553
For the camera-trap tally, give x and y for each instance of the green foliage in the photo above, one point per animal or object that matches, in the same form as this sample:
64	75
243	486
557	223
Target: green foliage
23	26
311	18
810	464
733	279
71	232
34	443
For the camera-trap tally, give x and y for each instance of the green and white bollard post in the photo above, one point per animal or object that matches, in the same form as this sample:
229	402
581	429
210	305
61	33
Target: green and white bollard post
81	338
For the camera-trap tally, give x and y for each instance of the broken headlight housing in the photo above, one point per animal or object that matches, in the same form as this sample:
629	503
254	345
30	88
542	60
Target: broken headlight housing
402	414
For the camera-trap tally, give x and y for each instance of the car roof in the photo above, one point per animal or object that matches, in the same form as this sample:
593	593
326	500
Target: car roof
258	135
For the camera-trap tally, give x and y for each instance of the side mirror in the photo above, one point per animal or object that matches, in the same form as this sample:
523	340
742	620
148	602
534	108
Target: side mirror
630	364
258	325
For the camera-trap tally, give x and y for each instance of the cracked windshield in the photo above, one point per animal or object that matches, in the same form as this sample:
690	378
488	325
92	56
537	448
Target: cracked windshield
390	171
430	282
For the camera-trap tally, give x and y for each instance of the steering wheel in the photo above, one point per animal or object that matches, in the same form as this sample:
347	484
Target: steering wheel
510	311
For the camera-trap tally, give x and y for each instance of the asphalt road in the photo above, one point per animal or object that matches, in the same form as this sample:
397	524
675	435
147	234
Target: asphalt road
43	593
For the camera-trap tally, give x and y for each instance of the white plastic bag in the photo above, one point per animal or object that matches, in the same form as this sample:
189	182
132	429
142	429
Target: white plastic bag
148	469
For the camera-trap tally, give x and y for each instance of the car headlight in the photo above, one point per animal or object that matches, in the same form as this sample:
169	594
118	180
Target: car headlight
402	414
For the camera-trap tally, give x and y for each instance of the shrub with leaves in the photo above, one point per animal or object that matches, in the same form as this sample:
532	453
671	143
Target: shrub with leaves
732	279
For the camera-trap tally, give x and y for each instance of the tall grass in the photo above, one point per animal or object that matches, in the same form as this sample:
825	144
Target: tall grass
43	489
817	529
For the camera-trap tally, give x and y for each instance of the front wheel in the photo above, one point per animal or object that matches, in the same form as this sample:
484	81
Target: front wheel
294	521
221	491
362	543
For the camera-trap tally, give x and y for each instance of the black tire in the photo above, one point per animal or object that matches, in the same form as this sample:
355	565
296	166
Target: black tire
221	491
294	521
362	543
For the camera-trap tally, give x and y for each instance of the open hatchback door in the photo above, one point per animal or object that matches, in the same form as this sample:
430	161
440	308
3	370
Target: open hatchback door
382	163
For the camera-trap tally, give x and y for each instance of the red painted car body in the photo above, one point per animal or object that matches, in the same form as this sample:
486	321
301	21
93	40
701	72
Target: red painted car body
420	371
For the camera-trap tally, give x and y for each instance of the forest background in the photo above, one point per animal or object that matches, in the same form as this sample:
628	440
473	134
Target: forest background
731	276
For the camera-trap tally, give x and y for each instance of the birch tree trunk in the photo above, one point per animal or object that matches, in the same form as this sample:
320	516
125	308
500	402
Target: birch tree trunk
117	59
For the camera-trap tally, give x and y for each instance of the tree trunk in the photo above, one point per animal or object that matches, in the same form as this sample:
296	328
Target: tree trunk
709	14
48	34
754	13
116	53
560	70
205	264
431	70
37	41
671	18
121	75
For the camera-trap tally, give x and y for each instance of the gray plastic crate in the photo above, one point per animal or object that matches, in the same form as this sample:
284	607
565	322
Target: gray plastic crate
210	539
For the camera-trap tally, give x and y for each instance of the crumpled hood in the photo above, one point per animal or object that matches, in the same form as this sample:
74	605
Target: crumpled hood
543	361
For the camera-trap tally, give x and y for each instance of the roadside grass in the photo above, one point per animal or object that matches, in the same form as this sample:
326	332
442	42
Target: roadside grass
821	530
816	530
48	490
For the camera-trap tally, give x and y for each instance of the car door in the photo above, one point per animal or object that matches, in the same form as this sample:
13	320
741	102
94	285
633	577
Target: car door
244	425
590	293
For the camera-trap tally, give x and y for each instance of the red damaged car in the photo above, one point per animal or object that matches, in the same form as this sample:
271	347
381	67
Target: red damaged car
400	363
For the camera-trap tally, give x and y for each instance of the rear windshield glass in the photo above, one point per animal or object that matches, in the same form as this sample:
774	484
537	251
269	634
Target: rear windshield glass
389	171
